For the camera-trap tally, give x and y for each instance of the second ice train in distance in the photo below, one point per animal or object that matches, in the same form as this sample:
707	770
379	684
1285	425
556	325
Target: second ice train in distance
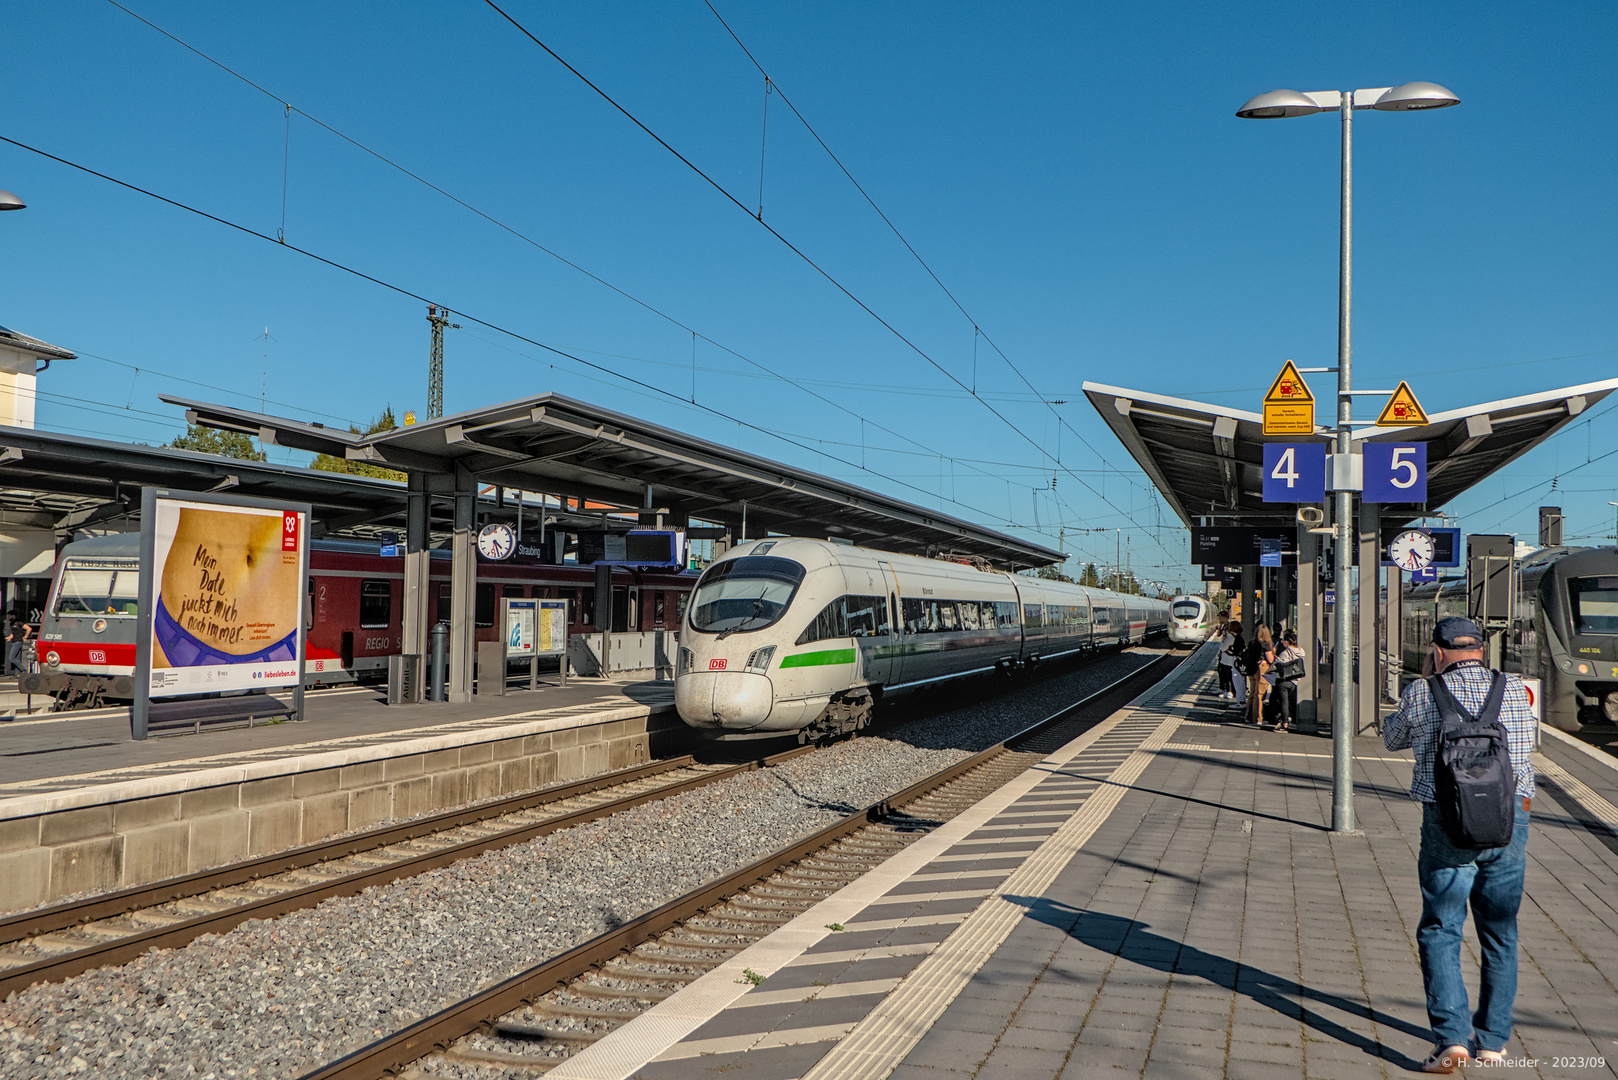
795	635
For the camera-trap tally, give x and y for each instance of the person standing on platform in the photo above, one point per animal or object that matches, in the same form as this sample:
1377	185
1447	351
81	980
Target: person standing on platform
1288	671
17	635
1221	633
1256	660
1452	876
1231	655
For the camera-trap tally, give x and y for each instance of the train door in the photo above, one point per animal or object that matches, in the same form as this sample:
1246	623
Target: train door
883	663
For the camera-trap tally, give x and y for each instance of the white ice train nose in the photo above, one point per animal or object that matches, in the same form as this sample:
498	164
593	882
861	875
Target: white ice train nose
730	700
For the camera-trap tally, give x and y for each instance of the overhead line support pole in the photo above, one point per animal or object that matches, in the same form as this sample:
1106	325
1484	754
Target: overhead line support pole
1342	724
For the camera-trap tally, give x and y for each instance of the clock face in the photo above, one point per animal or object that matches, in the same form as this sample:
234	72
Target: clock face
1412	550
497	542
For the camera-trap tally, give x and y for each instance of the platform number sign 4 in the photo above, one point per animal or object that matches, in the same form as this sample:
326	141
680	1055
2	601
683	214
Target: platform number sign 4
1395	472
1294	472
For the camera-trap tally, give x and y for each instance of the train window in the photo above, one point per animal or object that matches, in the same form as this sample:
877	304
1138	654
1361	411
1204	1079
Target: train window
1033	616
483	613
443	604
947	619
969	615
748	593
1006	613
1595	605
658	609
867	616
1187	609
830	623
915	616
513	591
587	606
679	607
376	605
90	590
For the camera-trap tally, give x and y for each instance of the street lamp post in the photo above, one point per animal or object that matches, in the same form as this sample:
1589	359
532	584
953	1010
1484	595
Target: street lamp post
8	201
1277	105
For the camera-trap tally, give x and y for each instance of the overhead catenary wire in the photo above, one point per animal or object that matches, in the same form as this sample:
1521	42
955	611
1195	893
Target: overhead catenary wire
765	370
799	252
976	330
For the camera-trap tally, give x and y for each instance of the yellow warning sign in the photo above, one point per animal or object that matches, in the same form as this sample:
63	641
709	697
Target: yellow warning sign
1402	409
1289	407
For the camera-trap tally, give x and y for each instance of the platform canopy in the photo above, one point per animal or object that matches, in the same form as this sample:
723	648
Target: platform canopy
1207	460
562	446
51	479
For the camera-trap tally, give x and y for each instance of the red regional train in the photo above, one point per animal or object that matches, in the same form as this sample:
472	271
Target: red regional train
86	644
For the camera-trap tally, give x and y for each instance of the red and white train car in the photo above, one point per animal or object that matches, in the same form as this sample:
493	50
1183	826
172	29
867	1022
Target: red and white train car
86	645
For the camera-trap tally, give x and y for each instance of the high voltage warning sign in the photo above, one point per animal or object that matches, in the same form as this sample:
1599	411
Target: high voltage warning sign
1402	409
1289	407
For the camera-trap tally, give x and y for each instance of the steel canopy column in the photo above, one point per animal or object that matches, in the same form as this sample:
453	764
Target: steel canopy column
417	579
1368	687
1395	630
462	588
1251	616
1308	624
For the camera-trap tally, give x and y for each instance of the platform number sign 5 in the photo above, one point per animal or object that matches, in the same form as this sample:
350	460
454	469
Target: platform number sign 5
1395	472
1294	472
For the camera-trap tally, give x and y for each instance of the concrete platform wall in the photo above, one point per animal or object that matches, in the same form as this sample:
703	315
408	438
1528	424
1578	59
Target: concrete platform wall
138	833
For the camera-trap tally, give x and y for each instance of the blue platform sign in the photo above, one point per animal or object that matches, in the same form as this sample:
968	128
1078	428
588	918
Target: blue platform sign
1425	574
1295	472
1395	472
1269	551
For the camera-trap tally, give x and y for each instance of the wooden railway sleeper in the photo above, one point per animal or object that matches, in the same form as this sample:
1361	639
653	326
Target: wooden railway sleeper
619	970
589	989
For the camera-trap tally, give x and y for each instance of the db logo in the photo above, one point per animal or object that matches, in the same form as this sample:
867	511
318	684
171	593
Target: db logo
98	656
717	665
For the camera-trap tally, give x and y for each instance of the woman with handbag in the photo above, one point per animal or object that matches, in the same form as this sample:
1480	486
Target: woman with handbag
1288	672
1255	662
1231	656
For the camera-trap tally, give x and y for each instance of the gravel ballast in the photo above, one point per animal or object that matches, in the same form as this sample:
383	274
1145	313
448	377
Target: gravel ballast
276	998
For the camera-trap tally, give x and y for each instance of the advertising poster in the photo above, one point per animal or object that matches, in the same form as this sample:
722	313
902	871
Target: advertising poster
227	586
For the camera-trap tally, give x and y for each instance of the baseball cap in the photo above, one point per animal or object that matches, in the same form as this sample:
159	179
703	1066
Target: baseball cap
1451	632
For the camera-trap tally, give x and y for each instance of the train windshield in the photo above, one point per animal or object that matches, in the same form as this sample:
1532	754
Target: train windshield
1187	609
98	587
748	593
1595	605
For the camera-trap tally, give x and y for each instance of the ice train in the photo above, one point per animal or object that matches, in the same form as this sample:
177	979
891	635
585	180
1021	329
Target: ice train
805	636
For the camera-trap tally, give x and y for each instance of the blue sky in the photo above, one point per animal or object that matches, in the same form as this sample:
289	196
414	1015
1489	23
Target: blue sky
1073	173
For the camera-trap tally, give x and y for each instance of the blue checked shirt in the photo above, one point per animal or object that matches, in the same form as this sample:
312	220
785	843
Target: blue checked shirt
1416	724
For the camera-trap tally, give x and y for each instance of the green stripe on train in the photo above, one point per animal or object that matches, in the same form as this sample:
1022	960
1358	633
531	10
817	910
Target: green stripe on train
817	659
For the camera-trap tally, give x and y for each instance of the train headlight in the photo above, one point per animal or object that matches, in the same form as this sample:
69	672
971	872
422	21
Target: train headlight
684	667
759	659
1584	669
53	658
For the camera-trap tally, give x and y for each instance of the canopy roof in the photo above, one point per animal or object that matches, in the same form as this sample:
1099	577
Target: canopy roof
1207	460
563	446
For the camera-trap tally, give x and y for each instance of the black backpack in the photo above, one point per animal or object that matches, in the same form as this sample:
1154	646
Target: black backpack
1472	774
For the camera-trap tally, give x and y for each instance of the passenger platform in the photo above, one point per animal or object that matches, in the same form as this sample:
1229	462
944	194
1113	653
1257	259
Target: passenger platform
1160	898
84	808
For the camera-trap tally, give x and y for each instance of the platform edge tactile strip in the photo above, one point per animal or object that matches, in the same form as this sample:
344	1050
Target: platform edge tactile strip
646	1038
884	1038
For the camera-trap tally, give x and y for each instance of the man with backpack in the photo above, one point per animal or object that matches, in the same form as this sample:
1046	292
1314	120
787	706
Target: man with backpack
1472	735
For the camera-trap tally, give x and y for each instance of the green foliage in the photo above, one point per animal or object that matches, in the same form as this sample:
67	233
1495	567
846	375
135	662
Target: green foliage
1090	577
751	976
206	440
332	463
1051	573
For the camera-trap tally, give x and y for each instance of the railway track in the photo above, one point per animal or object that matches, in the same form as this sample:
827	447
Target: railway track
54	943
538	1018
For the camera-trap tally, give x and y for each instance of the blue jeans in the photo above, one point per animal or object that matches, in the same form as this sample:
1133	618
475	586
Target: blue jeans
1492	880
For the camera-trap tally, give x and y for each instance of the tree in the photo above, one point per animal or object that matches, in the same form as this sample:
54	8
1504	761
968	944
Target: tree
206	440
1090	577
333	463
1051	573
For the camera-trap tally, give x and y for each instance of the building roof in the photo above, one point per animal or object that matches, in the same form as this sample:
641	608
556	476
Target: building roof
560	445
1207	460
16	339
